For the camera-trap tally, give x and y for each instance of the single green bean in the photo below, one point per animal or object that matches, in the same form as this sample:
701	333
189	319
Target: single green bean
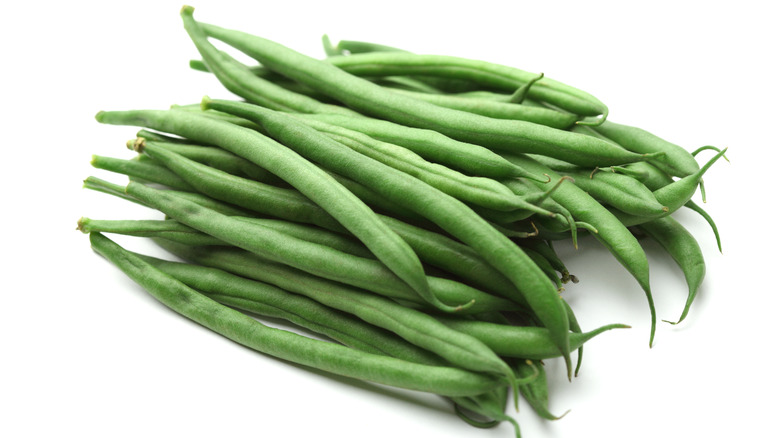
684	250
521	342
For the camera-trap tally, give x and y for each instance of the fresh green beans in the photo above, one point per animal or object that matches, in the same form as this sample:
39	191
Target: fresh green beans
301	174
285	345
506	135
445	211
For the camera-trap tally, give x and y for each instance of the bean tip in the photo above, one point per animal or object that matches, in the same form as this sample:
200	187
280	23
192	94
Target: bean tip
81	224
99	116
205	102
187	10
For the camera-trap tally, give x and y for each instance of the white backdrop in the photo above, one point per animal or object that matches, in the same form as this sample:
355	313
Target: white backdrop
88	353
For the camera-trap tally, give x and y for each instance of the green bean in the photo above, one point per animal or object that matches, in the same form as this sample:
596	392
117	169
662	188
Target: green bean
431	145
220	159
416	327
484	73
491	405
674	195
252	195
676	160
507	135
536	391
683	249
240	80
454	257
484	192
655	178
168	229
611	231
354	47
619	191
446	212
521	342
267	300
136	169
300	173
288	346
498	110
313	258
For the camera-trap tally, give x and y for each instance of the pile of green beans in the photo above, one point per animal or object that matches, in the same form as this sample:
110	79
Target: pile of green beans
404	206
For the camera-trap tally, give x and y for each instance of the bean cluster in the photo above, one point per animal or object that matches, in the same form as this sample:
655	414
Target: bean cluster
404	206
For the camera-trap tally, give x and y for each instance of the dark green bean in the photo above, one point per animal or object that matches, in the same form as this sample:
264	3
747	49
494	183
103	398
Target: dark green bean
285	345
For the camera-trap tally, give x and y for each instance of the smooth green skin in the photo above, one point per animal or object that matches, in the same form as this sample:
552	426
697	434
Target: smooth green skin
448	213
611	231
486	74
484	192
240	80
309	179
684	249
433	248
619	191
412	325
168	229
178	232
674	195
379	149
267	300
431	145
518	341
454	257
676	160
253	195
656	178
219	159
499	110
497	134
289	346
246	264
313	258
137	169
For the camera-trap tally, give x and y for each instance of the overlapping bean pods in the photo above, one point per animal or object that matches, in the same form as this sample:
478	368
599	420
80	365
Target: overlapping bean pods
403	206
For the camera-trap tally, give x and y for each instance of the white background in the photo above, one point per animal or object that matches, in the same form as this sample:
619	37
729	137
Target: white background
88	353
